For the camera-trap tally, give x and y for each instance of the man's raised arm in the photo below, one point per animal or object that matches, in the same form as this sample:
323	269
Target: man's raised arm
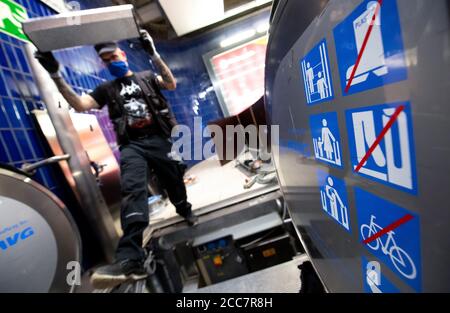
166	80
79	103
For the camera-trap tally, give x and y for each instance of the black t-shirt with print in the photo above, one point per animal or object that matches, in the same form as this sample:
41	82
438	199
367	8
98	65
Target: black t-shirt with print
139	119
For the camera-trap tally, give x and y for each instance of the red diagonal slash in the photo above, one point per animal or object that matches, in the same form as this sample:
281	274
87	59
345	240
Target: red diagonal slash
389	228
380	136
363	47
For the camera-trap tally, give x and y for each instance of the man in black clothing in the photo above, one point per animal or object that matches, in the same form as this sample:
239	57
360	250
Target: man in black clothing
142	121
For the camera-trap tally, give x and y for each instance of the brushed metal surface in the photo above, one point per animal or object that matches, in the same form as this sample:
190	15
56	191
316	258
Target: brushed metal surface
337	254
85	27
89	194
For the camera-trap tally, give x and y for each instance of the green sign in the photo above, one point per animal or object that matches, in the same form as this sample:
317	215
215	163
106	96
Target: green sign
11	17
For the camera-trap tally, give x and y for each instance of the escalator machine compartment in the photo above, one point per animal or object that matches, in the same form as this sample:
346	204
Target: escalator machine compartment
220	260
270	252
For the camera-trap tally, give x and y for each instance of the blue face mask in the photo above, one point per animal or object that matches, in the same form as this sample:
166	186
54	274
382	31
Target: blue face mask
118	68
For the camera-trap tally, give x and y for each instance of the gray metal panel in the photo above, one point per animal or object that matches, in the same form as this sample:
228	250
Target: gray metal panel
282	278
259	195
226	217
336	253
86	27
242	230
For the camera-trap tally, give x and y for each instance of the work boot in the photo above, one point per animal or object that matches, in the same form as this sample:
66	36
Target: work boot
109	276
191	219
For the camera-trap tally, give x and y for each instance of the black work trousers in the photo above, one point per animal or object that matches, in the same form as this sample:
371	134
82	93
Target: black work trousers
136	158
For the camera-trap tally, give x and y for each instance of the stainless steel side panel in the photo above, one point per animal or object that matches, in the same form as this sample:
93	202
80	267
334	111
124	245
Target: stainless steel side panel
339	255
88	192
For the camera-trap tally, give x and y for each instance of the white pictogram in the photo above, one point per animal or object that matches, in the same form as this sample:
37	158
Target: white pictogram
399	258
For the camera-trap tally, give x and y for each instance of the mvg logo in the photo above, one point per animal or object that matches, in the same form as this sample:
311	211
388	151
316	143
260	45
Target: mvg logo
15	238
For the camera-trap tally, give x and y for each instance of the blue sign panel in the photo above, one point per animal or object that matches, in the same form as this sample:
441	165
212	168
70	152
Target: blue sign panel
399	248
382	59
326	138
333	195
315	68
392	162
373	279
